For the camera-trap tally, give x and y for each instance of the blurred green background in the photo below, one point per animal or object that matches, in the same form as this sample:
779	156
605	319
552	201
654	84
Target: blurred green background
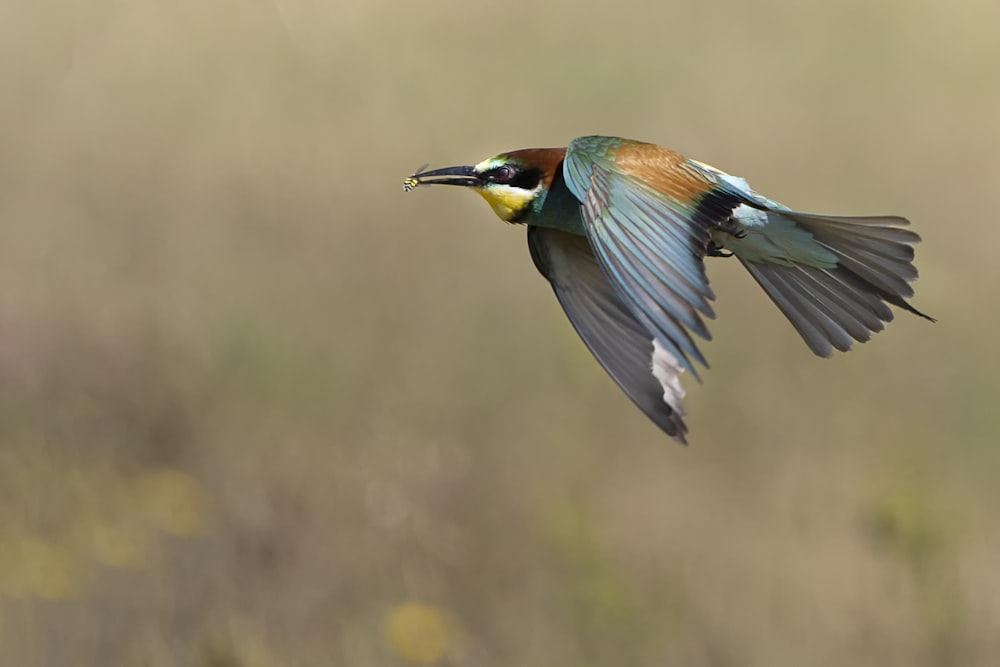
259	408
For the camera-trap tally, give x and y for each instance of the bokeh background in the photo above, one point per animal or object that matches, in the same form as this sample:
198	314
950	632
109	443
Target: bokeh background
260	408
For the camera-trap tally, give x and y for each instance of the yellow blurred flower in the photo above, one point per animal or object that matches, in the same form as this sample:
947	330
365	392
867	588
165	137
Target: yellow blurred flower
33	567
418	633
173	501
118	545
238	642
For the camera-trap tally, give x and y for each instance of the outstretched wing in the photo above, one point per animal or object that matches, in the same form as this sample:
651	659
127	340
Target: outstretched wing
648	212
642	368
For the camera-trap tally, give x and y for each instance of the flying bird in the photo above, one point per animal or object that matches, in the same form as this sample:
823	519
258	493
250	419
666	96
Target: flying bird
621	230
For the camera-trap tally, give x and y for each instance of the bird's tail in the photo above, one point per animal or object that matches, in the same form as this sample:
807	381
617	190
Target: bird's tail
838	288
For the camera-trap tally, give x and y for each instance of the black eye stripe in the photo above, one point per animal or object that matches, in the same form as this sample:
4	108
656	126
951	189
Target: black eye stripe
526	179
517	177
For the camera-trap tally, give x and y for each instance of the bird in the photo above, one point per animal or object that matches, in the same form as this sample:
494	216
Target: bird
621	230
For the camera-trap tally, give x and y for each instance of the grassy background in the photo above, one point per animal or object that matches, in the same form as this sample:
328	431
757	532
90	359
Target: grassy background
258	407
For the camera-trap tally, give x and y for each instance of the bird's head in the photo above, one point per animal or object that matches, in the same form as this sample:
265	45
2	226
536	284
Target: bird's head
514	184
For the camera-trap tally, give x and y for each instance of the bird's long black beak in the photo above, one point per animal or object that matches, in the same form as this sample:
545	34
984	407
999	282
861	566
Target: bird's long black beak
448	176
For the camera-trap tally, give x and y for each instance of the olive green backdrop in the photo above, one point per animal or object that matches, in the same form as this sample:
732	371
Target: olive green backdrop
258	407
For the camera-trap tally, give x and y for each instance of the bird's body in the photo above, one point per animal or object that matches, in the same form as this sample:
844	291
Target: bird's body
620	228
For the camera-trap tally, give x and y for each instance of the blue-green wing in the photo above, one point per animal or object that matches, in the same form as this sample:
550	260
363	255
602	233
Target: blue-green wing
625	348
651	245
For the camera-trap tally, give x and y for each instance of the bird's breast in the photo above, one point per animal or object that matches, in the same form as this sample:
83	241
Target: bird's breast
559	209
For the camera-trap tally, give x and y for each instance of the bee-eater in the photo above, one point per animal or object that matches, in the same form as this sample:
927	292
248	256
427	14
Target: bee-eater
620	229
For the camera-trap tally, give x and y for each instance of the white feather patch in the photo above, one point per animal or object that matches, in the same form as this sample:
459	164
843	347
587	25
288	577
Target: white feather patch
668	371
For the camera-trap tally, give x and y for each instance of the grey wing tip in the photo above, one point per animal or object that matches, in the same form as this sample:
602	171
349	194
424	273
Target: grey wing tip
671	422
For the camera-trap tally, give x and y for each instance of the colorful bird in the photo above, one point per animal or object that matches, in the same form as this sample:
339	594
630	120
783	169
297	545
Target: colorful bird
620	229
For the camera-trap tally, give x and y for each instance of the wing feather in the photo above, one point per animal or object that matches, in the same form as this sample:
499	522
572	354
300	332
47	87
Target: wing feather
624	347
649	243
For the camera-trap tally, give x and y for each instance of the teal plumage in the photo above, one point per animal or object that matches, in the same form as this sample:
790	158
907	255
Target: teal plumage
621	230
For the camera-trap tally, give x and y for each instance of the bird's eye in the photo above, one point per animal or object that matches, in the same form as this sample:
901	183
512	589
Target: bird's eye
501	174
